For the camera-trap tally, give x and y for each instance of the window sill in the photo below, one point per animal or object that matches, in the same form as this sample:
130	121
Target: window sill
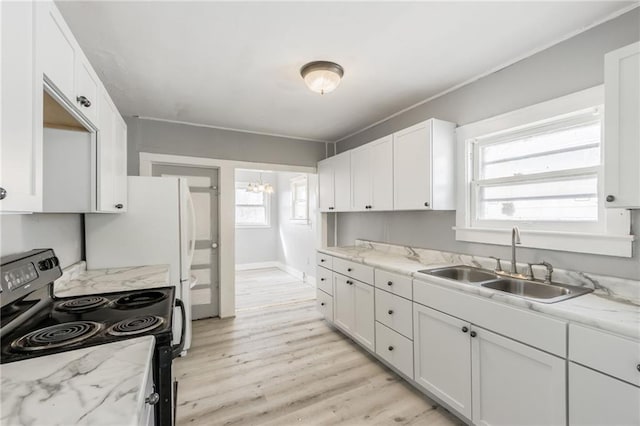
608	245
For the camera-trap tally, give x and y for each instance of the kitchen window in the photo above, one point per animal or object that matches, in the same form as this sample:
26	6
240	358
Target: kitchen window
300	200
252	208
540	168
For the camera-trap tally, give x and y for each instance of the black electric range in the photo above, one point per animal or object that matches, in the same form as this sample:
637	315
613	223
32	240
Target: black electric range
33	322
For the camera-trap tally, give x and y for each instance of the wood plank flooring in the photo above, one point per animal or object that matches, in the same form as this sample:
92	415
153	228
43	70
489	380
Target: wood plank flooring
258	288
283	365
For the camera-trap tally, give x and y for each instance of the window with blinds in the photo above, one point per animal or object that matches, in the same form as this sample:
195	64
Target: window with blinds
540	175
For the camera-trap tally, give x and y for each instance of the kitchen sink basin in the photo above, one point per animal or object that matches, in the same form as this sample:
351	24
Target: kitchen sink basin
541	292
461	273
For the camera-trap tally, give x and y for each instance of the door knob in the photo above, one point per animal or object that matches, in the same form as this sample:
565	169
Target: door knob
214	245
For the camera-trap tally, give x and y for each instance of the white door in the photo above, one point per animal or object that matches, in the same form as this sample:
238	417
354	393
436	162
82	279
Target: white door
597	399
361	178
364	320
515	384
326	185
21	106
344	303
342	181
203	184
381	164
442	357
412	167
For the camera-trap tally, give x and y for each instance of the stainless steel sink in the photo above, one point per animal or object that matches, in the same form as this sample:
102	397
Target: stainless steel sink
461	273
541	292
528	289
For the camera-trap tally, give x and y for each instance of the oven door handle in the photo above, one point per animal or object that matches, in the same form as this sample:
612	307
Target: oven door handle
176	350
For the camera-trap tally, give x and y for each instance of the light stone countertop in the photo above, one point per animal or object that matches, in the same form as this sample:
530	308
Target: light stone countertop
614	305
99	385
77	281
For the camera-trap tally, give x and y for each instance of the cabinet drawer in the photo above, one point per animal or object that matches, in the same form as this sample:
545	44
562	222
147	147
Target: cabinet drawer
324	260
611	354
324	280
394	312
358	271
395	283
394	348
536	330
324	303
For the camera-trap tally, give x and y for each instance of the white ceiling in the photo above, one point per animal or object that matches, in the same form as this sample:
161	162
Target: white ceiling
236	64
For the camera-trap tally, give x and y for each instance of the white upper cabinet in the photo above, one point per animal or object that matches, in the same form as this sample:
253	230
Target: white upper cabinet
423	167
334	178
21	117
112	159
87	88
372	175
622	127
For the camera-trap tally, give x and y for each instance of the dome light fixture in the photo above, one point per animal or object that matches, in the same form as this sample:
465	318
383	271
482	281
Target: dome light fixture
322	76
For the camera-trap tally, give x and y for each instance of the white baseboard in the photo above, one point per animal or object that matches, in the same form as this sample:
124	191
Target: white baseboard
274	264
257	265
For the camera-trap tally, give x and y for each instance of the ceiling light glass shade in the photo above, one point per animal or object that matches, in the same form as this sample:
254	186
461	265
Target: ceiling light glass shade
322	76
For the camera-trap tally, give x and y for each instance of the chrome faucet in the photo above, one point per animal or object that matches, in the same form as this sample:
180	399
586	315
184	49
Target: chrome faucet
515	239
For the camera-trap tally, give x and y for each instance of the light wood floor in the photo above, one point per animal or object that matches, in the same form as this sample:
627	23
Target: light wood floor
258	288
283	365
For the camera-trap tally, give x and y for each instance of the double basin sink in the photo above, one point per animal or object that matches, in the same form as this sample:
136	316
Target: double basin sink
528	289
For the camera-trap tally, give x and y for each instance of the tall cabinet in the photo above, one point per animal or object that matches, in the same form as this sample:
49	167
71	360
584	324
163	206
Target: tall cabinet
622	127
21	110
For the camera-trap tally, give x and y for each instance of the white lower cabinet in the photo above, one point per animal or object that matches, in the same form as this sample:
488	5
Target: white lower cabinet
598	399
442	357
489	379
515	384
324	304
353	309
394	348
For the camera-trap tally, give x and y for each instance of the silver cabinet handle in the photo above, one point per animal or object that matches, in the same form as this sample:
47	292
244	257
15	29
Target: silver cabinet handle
119	206
84	101
152	399
3	193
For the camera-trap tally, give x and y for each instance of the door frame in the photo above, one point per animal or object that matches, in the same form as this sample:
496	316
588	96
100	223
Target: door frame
226	207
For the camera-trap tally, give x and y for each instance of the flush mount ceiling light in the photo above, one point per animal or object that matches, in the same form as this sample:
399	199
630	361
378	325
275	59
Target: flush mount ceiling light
322	76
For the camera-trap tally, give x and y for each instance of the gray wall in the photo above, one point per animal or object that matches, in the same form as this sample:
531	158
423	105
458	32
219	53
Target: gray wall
297	241
62	232
567	67
182	139
254	245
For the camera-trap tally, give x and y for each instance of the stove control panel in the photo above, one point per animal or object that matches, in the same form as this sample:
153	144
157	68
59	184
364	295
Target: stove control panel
23	273
19	276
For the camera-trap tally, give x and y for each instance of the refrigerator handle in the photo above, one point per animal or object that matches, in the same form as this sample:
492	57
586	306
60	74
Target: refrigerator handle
192	247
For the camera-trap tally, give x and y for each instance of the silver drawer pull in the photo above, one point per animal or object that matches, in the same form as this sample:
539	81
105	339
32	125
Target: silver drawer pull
152	399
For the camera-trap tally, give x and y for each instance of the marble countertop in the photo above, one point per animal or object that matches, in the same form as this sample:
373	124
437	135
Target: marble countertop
613	306
99	385
77	281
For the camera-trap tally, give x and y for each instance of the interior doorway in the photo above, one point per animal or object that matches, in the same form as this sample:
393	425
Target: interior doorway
275	237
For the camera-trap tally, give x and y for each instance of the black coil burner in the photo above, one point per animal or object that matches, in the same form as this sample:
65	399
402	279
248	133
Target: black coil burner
139	300
56	336
82	304
137	325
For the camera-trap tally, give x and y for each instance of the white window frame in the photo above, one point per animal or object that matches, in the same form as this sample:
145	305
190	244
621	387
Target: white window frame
292	185
610	236
267	206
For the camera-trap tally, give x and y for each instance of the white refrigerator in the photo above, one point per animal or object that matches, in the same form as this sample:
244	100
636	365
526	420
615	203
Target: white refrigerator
158	228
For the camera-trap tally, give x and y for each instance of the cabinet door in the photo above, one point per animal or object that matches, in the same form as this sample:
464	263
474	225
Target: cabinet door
120	164
344	303
342	181
106	197
326	185
622	127
515	384
86	89
21	103
364	320
442	357
381	165
57	49
361	177
412	168
596	399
